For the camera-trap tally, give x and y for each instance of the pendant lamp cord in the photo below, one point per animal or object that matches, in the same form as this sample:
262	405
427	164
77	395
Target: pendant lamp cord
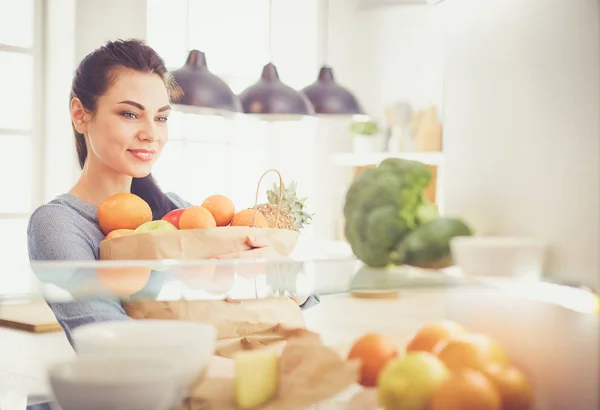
271	31
326	21
188	9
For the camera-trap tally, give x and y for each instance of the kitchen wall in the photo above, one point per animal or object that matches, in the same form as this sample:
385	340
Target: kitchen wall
517	84
522	104
388	53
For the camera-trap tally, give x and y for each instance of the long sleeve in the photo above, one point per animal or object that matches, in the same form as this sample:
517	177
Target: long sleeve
57	232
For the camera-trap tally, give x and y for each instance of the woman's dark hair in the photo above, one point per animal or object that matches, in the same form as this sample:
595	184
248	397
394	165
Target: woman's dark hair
94	76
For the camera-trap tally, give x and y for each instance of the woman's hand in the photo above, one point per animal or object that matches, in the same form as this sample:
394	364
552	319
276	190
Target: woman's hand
259	250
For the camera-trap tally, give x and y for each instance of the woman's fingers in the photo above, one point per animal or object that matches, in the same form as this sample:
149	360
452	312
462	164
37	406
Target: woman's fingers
255	243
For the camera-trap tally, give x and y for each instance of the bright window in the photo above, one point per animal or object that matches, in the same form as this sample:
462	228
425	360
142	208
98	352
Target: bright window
208	155
20	156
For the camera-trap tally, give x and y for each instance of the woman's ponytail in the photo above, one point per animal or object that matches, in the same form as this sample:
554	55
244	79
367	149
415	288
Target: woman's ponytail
147	189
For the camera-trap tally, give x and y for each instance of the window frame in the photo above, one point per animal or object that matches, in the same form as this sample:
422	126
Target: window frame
35	132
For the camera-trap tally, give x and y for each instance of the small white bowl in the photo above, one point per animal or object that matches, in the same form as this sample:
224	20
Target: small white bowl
188	345
499	256
123	384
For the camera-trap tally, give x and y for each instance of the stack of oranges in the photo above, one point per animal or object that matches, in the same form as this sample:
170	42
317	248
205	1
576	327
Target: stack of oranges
124	213
459	370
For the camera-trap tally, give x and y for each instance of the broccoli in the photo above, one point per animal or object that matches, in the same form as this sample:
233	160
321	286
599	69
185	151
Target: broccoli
383	206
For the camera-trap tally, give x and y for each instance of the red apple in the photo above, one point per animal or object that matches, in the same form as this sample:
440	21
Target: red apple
174	216
118	233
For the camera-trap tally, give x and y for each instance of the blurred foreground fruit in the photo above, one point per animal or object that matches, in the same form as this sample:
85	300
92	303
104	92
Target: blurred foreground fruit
475	351
466	390
514	388
407	383
221	208
374	351
196	217
246	218
256	377
428	336
123	211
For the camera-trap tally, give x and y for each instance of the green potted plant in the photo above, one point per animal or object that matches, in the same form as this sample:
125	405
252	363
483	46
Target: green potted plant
366	136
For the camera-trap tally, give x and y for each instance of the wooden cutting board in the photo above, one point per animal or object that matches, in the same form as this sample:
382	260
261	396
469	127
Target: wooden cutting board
32	316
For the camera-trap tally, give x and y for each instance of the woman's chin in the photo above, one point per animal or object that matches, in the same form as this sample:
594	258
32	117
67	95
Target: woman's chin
139	173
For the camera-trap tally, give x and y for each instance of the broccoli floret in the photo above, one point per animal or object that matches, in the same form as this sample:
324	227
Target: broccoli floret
383	205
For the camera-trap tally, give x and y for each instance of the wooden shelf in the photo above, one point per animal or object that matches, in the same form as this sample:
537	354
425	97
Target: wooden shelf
351	159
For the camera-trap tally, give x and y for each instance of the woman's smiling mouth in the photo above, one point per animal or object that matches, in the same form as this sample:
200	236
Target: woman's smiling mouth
144	155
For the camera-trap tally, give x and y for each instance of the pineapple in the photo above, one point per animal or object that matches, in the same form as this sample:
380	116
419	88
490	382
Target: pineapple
292	214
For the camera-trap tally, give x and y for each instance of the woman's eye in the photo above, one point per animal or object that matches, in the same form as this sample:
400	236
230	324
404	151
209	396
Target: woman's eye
129	115
162	119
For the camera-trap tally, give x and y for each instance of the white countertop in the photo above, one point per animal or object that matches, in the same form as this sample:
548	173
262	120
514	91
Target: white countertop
538	335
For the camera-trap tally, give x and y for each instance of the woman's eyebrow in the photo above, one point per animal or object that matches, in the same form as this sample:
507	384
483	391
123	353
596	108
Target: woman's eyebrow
133	103
141	107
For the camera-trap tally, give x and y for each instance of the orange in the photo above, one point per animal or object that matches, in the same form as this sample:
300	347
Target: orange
221	208
123	211
374	351
466	390
124	281
513	386
117	233
246	218
476	351
196	217
428	336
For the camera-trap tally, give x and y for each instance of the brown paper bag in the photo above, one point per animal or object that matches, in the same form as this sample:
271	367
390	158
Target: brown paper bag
241	325
205	243
309	373
190	244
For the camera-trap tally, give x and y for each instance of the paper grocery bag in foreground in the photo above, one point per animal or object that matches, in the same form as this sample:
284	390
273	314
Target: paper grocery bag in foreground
241	325
309	373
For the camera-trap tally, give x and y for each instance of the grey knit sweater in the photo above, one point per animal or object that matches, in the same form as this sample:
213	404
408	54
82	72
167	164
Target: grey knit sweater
67	228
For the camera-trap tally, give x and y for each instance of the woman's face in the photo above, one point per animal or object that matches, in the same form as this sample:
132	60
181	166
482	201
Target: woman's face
129	128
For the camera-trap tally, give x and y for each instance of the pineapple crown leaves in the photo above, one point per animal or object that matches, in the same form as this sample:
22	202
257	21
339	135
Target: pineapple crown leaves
291	203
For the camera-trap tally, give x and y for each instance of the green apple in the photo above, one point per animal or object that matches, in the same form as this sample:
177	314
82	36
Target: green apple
155	226
406	383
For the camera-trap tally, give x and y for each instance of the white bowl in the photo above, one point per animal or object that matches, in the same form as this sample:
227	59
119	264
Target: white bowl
499	256
188	345
123	384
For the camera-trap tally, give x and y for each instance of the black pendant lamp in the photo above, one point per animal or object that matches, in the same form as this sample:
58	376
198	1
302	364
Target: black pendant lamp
270	98
327	97
202	89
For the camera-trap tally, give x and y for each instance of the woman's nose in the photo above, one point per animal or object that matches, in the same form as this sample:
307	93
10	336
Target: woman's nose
148	133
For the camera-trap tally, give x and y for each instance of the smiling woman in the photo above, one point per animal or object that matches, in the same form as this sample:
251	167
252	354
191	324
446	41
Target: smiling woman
119	109
120	104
